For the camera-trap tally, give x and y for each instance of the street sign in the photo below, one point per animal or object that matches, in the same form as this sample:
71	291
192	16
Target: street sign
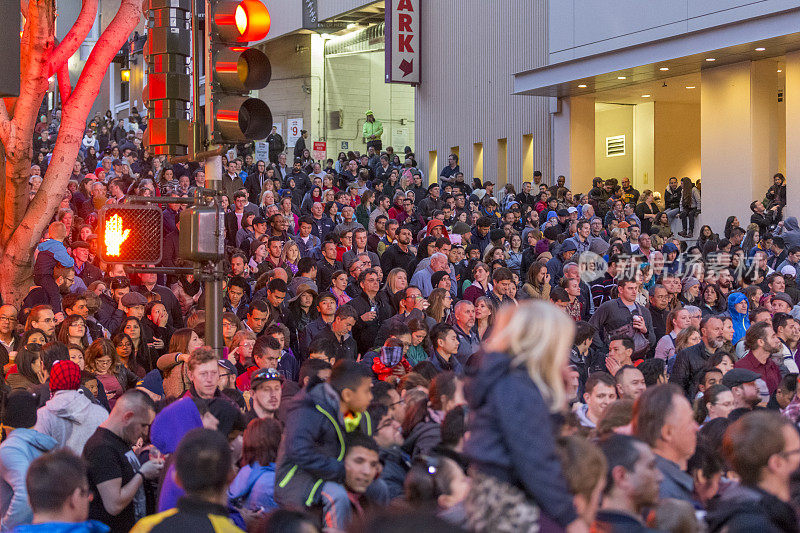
262	151
402	41
295	126
320	151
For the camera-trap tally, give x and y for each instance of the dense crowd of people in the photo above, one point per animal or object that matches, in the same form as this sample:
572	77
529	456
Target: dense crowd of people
403	352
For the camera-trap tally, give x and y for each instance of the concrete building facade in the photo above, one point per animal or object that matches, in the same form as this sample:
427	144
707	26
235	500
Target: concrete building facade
658	89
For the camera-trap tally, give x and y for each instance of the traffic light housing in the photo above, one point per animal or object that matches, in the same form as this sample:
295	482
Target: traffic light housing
168	93
131	234
202	235
237	69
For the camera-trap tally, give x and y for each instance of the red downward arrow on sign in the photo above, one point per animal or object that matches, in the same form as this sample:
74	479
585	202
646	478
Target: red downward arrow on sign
407	67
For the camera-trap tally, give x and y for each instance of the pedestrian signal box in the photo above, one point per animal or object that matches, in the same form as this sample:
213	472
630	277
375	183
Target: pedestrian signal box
131	234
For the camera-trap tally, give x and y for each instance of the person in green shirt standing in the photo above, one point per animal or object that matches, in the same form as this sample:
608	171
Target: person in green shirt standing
373	129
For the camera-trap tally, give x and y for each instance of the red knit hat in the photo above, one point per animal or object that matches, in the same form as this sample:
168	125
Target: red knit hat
65	375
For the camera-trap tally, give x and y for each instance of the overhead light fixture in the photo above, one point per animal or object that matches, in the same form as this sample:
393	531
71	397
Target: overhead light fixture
779	71
582	86
691	87
711	59
125	74
645	96
760	49
664	69
622	77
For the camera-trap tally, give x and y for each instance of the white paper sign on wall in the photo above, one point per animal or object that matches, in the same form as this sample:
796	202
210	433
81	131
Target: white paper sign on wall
294	126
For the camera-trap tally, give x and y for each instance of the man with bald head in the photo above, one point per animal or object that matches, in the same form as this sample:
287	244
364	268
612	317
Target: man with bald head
422	278
468	341
113	479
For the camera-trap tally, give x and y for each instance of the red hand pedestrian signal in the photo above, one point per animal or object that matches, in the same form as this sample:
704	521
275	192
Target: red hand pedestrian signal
130	234
115	235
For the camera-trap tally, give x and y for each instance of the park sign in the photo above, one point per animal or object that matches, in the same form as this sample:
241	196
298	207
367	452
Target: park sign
402	41
320	152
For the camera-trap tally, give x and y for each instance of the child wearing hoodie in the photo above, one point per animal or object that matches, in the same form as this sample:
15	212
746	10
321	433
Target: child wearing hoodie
310	466
391	364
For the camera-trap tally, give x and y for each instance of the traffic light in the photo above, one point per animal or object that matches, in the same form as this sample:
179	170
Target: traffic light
237	69
168	90
131	234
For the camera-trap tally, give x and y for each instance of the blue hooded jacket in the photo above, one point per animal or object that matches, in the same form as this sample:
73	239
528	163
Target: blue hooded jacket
58	250
741	321
17	452
671	266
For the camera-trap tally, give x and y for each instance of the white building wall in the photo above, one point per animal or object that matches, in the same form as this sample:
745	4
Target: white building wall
580	28
353	85
470	52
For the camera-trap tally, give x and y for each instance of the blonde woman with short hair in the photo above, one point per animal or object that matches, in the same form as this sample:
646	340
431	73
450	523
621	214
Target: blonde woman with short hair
518	385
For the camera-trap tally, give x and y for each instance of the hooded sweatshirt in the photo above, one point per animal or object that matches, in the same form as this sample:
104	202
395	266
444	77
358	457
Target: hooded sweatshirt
16	454
741	321
58	250
791	232
70	418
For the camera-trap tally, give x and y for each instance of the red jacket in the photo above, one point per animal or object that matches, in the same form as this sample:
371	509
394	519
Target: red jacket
384	372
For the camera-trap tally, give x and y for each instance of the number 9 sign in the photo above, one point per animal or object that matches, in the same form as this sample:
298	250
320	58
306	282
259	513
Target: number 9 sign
294	125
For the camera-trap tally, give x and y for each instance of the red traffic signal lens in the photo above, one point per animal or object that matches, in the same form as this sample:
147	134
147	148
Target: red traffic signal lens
242	21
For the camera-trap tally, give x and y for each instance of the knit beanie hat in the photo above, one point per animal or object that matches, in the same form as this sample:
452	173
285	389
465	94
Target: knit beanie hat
437	277
65	375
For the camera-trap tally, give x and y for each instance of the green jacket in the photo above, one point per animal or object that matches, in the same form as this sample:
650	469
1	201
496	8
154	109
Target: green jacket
373	128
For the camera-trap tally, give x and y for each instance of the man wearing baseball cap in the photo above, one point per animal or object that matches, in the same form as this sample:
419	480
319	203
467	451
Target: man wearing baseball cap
372	131
326	306
265	394
84	269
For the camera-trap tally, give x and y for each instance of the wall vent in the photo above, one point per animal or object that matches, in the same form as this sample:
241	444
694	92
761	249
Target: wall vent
615	146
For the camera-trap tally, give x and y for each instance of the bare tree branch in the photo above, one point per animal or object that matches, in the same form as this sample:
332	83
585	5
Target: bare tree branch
73	124
64	83
110	42
37	41
76	35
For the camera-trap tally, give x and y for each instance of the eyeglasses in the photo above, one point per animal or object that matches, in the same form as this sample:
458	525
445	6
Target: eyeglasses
8	319
388	423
